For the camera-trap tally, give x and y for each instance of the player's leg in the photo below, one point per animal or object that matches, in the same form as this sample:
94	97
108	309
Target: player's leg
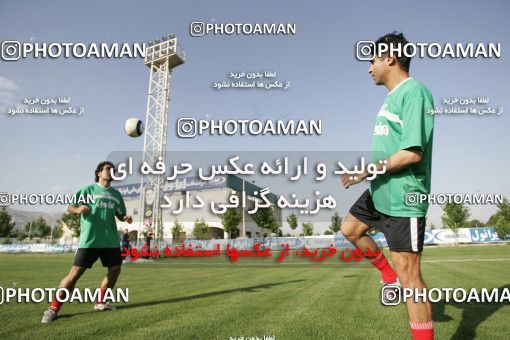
108	283
111	277
83	259
355	227
112	259
356	232
407	266
405	237
68	282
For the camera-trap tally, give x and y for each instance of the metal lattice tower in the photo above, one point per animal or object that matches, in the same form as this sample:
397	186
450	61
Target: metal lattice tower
161	57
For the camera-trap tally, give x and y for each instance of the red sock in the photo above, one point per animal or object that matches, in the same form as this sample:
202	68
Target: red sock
380	262
422	330
101	296
55	305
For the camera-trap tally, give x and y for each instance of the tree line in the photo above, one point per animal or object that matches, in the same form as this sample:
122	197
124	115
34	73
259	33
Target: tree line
454	216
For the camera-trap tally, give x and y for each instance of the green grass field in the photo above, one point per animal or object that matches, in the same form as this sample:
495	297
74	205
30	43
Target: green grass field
212	298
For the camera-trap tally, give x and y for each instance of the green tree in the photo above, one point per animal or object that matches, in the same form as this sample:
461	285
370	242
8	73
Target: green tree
39	228
307	228
328	232
201	230
336	223
230	220
72	221
292	221
504	209
474	223
6	240
455	216
176	231
491	222
502	227
501	219
6	226
58	231
265	219
21	235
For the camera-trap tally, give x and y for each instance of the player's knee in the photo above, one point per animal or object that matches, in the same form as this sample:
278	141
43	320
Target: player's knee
75	274
350	231
73	278
346	230
401	265
407	271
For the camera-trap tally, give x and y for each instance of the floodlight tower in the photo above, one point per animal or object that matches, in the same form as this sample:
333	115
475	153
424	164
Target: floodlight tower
161	57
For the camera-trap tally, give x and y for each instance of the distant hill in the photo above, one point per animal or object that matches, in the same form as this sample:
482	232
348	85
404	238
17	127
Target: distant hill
22	217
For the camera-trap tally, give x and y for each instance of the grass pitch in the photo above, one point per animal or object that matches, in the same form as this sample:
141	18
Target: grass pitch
213	298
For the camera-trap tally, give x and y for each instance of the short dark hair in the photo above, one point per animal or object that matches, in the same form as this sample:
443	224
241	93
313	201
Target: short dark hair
100	167
399	41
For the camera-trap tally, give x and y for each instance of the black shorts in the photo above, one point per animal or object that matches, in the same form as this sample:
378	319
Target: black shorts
110	257
401	233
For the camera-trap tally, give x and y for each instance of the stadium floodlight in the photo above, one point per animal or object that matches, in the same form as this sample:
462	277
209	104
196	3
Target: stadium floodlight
161	57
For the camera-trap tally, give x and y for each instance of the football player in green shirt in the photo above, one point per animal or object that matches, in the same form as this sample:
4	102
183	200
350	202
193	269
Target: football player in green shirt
403	138
99	238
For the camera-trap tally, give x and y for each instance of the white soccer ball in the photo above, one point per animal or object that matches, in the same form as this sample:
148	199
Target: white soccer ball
134	127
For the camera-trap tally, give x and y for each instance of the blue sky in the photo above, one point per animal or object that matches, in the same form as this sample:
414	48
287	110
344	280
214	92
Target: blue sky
58	154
